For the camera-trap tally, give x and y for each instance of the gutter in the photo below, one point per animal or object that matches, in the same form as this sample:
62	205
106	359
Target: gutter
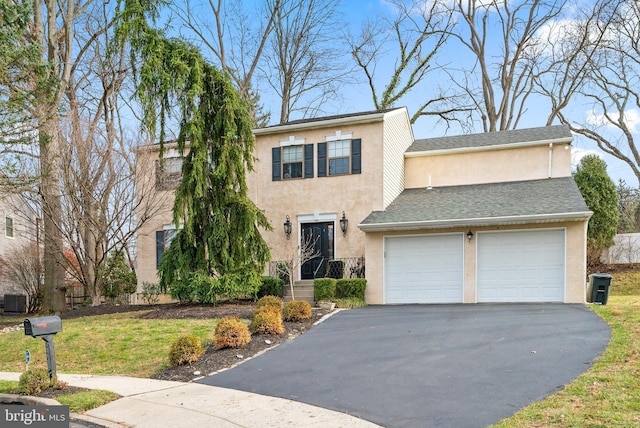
476	222
506	146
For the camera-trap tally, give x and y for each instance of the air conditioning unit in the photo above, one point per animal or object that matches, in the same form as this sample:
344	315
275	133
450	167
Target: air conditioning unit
15	303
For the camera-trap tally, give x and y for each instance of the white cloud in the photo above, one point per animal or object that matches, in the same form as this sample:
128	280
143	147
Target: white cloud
631	118
577	154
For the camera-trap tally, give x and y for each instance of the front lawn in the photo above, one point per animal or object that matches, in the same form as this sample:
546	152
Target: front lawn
121	344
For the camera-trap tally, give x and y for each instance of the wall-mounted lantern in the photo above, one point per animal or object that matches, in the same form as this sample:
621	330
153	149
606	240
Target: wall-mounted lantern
469	235
344	223
287	227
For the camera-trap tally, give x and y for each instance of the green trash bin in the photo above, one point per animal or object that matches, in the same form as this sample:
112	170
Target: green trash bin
598	290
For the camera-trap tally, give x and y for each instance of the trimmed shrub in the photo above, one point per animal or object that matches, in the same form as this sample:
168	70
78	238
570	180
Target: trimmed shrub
297	310
35	381
270	286
186	349
272	309
273	301
267	320
324	288
351	287
350	303
231	333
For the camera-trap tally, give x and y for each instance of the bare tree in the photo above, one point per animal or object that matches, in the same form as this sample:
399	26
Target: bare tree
86	159
296	257
234	34
498	86
610	87
23	267
303	62
414	37
566	51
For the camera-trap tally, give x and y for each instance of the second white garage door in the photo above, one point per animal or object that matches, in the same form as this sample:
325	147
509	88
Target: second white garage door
423	269
521	266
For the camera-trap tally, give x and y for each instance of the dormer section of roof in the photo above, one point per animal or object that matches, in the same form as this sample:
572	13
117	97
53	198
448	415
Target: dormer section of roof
493	157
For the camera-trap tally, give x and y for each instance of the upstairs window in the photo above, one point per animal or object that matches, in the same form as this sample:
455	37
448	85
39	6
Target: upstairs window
292	162
168	173
339	157
8	227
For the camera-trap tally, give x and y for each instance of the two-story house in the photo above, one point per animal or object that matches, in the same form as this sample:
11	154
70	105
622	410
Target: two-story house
492	217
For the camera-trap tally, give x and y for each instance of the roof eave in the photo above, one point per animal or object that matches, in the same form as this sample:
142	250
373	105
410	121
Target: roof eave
476	222
368	118
564	140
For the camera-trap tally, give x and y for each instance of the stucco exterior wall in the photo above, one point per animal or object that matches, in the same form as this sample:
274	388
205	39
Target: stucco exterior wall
490	166
319	198
575	259
156	208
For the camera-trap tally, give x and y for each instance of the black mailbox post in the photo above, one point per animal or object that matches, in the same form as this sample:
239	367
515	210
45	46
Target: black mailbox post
45	328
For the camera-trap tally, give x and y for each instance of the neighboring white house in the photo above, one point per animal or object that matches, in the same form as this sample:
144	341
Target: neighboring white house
17	221
625	250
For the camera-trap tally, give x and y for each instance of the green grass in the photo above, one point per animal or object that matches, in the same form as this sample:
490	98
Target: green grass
608	394
8	387
78	402
120	344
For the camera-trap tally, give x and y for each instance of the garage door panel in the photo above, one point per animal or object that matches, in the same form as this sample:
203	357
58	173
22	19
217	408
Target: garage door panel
423	269
521	266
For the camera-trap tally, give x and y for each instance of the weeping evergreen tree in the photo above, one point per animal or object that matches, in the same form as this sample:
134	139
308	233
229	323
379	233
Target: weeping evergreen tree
218	248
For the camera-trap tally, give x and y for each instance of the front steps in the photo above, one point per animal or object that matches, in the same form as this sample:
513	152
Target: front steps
302	290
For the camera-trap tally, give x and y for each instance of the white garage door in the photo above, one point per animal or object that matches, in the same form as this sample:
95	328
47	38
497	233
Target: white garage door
423	269
521	266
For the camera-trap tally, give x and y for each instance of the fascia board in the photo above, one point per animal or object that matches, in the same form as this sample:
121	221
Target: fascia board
476	222
506	146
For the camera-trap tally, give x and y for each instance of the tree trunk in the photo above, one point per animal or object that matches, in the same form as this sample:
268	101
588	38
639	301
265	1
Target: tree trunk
53	293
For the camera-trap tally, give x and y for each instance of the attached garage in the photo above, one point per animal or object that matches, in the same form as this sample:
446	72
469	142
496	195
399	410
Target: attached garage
521	248
423	268
521	266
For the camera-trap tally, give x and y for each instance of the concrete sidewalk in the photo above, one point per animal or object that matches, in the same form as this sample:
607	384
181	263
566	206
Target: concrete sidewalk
158	403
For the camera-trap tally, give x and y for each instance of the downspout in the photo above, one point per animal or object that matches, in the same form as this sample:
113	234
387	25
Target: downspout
550	158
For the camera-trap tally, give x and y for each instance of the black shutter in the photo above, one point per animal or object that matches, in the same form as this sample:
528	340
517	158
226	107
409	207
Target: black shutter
322	159
308	161
159	247
275	164
356	157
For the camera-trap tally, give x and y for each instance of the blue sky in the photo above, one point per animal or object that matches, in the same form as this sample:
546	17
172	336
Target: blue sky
357	97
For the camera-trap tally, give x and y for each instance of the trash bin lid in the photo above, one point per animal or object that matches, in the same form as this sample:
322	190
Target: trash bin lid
601	275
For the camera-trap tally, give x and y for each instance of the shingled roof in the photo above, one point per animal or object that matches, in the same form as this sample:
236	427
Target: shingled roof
542	135
520	202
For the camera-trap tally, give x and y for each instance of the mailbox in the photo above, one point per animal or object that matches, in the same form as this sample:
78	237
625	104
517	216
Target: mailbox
44	326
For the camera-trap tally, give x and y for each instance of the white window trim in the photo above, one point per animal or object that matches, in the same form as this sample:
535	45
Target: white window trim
292	141
339	135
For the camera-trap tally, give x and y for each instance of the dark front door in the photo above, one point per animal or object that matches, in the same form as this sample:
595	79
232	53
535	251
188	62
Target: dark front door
319	240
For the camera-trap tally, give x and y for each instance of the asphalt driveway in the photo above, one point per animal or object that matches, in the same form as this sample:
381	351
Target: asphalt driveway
429	365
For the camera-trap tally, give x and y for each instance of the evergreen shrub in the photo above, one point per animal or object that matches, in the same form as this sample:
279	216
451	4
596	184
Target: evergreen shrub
231	333
324	288
186	349
297	310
